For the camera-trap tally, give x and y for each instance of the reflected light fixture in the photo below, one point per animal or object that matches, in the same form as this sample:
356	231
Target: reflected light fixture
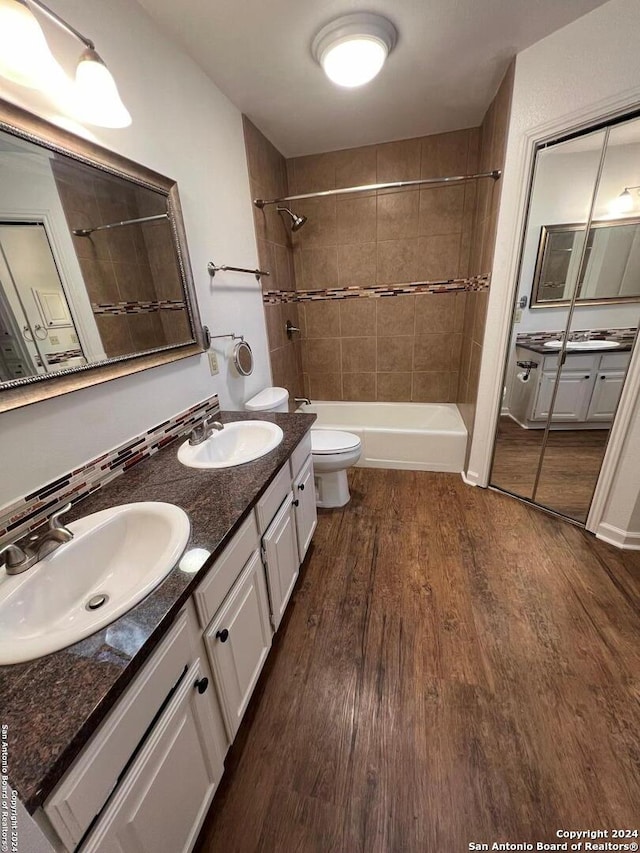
25	58
353	49
623	203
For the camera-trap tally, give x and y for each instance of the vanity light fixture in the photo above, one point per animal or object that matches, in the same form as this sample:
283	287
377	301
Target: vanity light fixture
624	202
25	58
353	49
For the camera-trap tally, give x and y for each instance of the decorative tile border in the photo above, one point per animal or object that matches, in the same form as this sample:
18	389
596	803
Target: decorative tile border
27	513
141	307
624	335
452	285
61	357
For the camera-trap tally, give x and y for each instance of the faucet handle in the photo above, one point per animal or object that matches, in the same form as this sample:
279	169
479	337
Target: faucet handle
54	520
13	557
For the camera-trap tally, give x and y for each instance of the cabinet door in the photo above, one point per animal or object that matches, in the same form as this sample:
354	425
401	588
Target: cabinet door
305	507
238	642
606	394
280	553
572	399
163	799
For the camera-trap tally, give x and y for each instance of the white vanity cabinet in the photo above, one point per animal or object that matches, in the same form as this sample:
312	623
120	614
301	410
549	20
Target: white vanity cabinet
306	514
147	777
588	391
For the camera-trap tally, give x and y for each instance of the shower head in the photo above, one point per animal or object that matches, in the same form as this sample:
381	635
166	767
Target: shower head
296	221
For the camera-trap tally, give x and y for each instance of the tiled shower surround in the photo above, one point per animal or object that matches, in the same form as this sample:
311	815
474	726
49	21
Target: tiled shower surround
425	253
27	513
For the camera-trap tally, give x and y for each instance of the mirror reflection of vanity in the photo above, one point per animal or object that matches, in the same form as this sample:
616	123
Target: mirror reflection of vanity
575	321
94	274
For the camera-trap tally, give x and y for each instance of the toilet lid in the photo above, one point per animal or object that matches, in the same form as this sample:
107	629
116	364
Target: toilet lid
333	441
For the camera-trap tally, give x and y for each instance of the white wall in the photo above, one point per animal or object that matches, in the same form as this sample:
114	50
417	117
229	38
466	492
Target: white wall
183	127
583	72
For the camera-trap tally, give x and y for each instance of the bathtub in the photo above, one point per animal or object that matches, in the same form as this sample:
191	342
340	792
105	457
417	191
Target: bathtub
413	436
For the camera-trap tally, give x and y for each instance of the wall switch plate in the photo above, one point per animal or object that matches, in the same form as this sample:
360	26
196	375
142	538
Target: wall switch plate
518	317
54	339
74	339
213	363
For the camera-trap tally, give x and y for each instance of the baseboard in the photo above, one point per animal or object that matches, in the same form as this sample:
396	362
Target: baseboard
471	478
620	538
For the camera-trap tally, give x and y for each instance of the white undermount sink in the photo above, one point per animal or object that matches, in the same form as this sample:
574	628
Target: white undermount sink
237	443
117	556
584	346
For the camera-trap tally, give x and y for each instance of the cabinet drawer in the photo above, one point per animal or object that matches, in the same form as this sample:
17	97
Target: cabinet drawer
573	362
299	455
615	361
269	503
86	788
222	575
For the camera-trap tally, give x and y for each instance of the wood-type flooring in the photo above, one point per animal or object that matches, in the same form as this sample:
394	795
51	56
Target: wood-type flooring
455	666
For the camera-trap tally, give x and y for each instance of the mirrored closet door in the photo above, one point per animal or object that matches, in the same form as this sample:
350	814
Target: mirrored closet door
575	319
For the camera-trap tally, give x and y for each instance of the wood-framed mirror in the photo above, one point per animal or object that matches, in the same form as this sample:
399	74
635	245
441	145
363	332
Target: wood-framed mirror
610	270
95	279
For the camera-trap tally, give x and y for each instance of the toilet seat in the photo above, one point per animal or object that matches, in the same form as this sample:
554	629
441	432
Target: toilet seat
331	441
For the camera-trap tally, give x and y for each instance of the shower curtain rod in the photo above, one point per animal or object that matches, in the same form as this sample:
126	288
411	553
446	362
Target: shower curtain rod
495	174
85	232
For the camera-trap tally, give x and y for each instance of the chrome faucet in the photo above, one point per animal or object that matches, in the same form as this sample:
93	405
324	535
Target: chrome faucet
204	431
304	400
17	560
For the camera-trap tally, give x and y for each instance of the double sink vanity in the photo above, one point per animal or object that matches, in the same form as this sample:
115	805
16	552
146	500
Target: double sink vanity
136	644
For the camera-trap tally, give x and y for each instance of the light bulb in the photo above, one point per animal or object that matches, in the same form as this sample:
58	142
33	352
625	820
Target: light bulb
25	57
100	101
622	203
354	62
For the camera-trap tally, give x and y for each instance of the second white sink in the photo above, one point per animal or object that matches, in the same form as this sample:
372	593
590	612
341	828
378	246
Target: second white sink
116	557
237	443
585	346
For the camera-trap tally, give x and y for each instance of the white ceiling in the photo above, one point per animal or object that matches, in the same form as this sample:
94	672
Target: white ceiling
442	74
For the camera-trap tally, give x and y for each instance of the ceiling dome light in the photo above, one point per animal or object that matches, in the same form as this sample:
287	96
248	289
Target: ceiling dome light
622	203
353	49
25	57
100	100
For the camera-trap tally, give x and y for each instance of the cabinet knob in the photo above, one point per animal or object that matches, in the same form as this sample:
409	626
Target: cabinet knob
223	635
587	376
296	502
201	684
301	487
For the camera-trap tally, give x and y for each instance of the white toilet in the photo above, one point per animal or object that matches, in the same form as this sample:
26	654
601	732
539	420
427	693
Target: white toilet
333	451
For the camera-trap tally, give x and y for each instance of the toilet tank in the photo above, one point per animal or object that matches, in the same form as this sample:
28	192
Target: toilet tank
269	400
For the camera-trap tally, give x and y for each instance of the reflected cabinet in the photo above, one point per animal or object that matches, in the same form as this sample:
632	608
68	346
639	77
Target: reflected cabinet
575	319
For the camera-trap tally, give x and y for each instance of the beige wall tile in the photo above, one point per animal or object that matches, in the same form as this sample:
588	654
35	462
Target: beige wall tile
321	355
322	319
432	352
284	268
355	167
355	220
327	386
444	155
435	312
399	161
359	387
358	355
394	387
100	280
275	332
398	261
395	315
480	316
313	173
441	210
460	303
398	215
438	257
357	265
357	317
267	261
320	227
115	335
432	387
320	267
395	355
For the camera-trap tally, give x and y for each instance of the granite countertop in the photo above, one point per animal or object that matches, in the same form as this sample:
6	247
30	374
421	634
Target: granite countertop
54	704
542	350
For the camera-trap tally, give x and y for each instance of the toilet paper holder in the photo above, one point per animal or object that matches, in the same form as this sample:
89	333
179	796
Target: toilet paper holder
527	366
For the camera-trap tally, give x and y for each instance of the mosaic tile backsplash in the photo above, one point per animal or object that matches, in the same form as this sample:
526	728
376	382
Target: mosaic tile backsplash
624	335
29	512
